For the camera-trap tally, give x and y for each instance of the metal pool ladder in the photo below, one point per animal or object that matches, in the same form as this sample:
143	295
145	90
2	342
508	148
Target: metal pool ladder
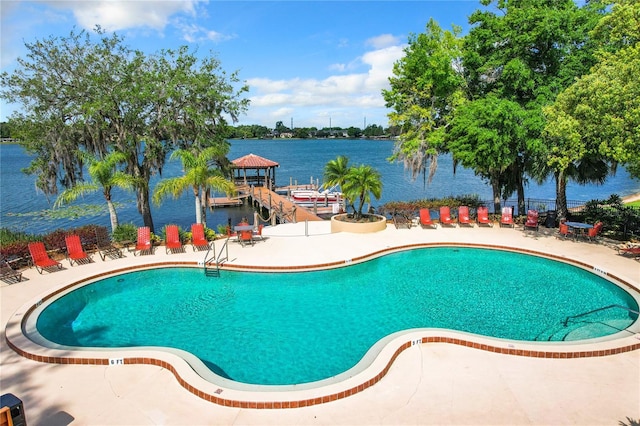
211	263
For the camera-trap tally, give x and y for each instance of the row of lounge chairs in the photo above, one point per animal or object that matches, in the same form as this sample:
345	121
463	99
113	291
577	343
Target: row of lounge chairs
76	253
506	219
173	244
464	218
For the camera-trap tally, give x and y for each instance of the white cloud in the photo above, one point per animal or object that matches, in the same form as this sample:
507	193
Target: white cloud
382	41
346	97
115	15
381	65
350	89
193	33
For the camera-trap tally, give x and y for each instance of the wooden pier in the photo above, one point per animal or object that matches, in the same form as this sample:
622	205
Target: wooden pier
284	209
224	202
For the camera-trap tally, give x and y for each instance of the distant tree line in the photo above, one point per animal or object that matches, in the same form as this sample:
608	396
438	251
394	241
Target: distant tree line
255	131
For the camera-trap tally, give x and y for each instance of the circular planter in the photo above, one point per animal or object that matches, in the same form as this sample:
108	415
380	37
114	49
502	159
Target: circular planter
338	225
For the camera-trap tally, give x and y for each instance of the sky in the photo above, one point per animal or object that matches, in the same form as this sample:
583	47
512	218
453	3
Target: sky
307	63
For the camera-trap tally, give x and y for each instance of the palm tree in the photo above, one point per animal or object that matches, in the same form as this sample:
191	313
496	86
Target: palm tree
199	176
587	170
105	175
359	184
335	171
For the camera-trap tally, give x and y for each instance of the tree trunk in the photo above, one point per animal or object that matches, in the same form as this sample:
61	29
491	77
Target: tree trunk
196	197
144	206
204	204
521	204
495	186
113	215
561	195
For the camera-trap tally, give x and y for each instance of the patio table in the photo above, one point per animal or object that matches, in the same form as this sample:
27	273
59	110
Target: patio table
579	227
242	230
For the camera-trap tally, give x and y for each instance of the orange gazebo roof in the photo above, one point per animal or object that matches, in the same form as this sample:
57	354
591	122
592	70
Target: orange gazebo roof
252	161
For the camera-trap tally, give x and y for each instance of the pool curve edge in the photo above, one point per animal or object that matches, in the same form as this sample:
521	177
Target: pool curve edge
371	374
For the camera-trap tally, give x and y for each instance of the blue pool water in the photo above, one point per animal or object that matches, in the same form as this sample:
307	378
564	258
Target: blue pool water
291	328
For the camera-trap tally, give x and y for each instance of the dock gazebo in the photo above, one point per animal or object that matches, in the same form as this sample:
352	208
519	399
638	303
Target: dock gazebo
254	170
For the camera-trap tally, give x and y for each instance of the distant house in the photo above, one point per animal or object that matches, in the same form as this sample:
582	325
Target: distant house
286	135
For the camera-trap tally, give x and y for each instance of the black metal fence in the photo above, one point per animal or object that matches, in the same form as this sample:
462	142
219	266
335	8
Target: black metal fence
620	221
539	204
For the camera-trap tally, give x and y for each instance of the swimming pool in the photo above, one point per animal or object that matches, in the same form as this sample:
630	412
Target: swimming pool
291	328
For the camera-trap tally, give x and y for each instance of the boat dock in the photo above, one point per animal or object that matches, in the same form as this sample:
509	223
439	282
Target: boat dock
284	209
225	202
254	175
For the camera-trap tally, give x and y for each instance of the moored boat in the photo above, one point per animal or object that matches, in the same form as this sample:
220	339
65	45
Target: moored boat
329	195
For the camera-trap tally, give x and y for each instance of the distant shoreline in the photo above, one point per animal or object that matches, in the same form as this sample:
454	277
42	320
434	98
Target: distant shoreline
631	198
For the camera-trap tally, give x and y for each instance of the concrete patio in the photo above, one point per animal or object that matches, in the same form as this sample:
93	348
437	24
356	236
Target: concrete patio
430	383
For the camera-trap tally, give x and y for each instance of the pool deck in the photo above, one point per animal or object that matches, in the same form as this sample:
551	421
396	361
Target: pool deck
429	383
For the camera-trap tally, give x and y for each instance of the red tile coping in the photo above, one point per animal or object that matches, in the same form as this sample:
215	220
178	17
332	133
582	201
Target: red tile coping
217	399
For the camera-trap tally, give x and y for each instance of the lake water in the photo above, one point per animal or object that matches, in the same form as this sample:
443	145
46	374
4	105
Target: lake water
300	160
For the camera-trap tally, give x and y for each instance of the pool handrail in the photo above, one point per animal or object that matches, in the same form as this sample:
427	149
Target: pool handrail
566	320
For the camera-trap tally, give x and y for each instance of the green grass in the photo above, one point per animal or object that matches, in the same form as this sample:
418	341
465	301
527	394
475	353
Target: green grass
633	204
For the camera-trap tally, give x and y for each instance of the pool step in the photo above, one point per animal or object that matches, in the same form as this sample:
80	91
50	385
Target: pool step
557	333
581	330
212	272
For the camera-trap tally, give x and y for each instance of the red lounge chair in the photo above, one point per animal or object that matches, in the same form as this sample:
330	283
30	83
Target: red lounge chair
633	251
41	258
425	219
532	220
445	216
463	216
173	243
198	239
75	252
506	218
593	233
143	244
483	216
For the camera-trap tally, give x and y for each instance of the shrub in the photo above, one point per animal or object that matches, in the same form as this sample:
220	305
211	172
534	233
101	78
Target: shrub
619	221
125	232
87	234
210	234
7	236
55	240
412	207
221	230
16	250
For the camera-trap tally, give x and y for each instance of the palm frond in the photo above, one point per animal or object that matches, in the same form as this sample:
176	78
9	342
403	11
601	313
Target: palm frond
71	194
